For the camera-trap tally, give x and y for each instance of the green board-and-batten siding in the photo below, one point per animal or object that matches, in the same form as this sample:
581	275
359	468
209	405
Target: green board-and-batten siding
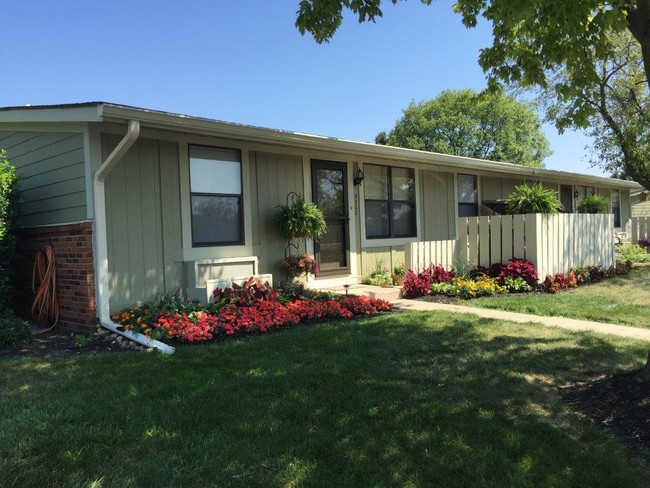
497	188
52	175
143	222
273	177
438	206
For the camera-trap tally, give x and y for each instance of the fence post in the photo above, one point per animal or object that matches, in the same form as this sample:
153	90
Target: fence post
532	229
519	237
408	255
484	231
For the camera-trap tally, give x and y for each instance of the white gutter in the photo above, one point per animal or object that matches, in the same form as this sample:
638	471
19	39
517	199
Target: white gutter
101	246
197	125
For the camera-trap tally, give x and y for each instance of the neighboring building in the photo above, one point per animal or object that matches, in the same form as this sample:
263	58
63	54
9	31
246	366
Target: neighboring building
640	203
139	202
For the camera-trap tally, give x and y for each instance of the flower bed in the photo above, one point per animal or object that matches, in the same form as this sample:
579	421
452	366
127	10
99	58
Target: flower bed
517	276
251	307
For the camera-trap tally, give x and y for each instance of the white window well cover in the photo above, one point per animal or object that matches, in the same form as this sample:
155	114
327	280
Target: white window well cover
214	170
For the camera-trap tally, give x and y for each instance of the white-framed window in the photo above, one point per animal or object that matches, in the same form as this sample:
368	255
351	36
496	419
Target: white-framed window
616	207
583	191
467	195
389	198
216	196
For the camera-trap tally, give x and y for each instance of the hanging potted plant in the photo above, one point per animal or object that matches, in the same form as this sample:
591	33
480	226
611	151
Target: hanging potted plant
299	219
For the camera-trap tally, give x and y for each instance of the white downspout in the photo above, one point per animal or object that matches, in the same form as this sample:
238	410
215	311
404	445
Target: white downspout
101	246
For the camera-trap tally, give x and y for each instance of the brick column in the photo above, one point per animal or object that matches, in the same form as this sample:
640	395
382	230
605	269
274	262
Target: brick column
75	272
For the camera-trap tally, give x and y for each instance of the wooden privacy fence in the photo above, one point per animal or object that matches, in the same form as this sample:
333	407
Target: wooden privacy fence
553	243
418	255
640	229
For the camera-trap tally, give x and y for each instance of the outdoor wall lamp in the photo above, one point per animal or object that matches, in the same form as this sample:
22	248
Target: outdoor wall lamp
359	178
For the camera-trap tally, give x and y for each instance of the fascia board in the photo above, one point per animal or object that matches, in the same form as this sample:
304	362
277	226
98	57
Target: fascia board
34	115
197	125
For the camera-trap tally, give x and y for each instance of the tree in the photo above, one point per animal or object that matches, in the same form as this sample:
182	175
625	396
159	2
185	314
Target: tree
532	38
620	124
465	123
9	208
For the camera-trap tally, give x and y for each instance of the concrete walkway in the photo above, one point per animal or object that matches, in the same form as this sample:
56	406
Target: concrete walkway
560	322
392	293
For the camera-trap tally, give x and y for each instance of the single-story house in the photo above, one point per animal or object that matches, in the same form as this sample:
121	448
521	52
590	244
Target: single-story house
640	203
138	202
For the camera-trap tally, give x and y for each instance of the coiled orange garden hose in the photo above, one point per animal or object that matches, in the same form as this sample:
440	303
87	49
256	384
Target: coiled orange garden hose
45	308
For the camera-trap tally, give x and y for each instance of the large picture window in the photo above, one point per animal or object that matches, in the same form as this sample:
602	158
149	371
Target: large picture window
216	194
467	196
389	201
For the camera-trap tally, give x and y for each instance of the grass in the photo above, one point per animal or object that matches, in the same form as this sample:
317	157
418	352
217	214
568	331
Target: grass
411	399
622	300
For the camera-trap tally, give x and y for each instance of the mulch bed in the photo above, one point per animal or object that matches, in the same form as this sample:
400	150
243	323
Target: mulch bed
57	344
619	403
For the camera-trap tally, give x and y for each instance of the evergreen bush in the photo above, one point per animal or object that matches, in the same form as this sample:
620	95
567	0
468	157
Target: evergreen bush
9	207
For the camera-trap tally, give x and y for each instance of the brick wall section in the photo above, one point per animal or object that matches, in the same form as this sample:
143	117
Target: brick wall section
73	248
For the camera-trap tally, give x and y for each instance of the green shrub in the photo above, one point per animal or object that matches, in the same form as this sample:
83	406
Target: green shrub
516	285
632	253
593	204
175	302
382	278
441	288
14	331
378	276
532	199
9	207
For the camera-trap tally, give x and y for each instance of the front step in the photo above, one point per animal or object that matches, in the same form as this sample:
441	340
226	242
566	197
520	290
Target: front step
388	293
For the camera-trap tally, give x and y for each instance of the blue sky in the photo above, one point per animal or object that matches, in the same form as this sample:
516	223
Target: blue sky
244	61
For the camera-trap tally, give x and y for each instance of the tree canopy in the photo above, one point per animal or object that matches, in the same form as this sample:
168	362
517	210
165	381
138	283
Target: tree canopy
465	123
620	124
532	40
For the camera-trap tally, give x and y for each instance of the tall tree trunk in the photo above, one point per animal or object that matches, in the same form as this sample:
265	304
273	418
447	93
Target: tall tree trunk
638	23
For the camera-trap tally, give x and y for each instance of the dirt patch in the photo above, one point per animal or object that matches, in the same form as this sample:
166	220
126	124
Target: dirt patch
620	403
57	344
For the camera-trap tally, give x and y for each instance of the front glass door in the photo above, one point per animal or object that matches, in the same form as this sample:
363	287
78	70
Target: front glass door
329	193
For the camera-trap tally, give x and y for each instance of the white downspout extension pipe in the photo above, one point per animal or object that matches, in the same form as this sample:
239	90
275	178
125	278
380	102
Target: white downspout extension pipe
101	246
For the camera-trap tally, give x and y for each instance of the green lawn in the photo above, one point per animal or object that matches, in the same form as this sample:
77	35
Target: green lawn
622	300
411	399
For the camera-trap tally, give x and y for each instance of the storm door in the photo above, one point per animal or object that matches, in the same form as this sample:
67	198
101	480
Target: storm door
566	197
330	194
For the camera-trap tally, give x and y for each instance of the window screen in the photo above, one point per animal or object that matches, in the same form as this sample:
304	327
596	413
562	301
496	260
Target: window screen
389	194
467	196
216	196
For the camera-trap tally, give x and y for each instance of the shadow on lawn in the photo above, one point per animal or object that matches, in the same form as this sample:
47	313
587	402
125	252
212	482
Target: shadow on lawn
378	402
